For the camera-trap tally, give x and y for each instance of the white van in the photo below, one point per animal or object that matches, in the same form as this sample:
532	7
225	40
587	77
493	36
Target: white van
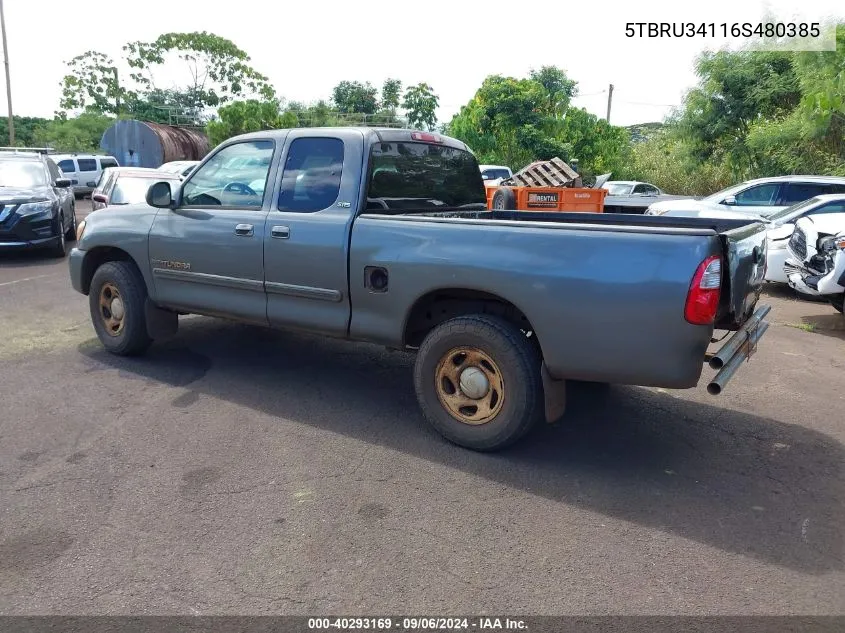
84	170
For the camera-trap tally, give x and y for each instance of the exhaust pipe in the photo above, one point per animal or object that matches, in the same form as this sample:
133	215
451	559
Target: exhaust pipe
721	358
729	369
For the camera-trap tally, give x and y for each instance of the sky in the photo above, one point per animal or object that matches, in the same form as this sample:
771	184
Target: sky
305	48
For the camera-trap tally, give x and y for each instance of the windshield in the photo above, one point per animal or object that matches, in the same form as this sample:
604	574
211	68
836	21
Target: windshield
22	174
617	188
493	174
424	176
724	193
132	189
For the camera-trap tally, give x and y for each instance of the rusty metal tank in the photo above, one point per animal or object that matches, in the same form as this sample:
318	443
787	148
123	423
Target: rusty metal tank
144	144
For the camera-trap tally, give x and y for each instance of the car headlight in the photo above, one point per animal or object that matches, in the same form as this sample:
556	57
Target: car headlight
827	243
80	229
34	208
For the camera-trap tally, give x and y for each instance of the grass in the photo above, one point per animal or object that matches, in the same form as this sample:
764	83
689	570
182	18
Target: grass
807	327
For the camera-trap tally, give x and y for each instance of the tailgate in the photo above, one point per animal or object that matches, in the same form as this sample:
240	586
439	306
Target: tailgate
744	251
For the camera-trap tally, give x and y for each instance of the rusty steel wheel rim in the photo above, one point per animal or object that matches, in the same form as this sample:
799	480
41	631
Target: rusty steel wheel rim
112	309
470	385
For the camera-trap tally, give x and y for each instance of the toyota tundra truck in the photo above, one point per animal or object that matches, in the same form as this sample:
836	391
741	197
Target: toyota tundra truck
383	236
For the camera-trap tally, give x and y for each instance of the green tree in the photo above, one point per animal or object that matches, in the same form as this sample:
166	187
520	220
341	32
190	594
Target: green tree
240	117
420	105
93	81
391	93
506	122
735	89
25	127
354	97
558	87
79	134
217	71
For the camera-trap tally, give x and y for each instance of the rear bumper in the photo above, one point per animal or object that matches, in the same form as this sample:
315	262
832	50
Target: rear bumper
75	260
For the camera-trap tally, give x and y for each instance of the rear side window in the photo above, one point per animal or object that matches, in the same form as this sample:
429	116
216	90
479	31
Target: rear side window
87	164
832	207
800	191
67	166
761	195
311	179
423	176
107	162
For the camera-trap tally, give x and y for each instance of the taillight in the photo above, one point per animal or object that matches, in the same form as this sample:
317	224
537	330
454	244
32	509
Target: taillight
426	136
703	297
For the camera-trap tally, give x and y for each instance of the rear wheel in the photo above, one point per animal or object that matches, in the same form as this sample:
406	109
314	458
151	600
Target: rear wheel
478	382
504	199
116	300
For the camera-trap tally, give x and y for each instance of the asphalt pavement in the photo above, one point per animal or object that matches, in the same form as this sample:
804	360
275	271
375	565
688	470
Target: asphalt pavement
239	470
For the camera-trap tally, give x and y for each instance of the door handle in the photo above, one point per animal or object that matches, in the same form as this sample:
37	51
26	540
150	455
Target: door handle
280	232
247	230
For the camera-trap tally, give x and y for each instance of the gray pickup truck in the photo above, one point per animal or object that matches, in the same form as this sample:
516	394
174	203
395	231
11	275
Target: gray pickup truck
382	235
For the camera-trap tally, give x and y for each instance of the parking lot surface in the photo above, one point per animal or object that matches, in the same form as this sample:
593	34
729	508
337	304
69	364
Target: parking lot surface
241	470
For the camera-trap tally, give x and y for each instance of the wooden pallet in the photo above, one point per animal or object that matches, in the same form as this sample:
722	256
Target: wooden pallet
545	173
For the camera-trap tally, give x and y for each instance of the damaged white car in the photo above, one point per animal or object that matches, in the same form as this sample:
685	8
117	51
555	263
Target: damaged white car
816	261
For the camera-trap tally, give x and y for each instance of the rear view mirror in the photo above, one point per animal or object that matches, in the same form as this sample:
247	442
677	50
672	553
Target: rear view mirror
91	183
730	200
63	183
160	196
98	197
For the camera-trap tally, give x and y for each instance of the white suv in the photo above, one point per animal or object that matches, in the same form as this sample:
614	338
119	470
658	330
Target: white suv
84	170
759	198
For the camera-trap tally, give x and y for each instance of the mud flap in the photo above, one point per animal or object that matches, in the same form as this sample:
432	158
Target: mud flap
160	323
554	394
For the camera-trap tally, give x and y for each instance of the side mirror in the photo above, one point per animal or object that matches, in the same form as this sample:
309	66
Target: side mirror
98	197
730	200
63	183
160	196
91	183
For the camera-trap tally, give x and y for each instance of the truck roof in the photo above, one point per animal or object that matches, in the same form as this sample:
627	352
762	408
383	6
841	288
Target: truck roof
370	134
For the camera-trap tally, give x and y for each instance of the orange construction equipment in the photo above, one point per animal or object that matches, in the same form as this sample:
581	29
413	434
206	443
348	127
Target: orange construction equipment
546	186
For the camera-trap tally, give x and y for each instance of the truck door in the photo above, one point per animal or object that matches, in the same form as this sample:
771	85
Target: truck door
207	255
308	227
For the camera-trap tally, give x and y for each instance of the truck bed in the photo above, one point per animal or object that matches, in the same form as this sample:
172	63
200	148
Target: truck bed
591	285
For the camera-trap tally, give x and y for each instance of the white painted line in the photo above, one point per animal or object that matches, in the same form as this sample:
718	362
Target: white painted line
17	281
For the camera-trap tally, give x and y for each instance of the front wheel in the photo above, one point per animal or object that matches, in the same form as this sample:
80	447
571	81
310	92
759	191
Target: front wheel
70	234
116	300
59	249
478	382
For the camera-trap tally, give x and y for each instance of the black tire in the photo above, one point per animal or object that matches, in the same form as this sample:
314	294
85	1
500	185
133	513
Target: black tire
516	359
132	338
504	199
70	234
59	249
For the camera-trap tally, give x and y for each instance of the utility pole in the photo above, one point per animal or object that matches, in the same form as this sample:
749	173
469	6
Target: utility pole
8	78
609	99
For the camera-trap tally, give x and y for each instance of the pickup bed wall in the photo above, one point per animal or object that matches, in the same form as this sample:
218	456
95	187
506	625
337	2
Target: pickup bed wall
606	305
